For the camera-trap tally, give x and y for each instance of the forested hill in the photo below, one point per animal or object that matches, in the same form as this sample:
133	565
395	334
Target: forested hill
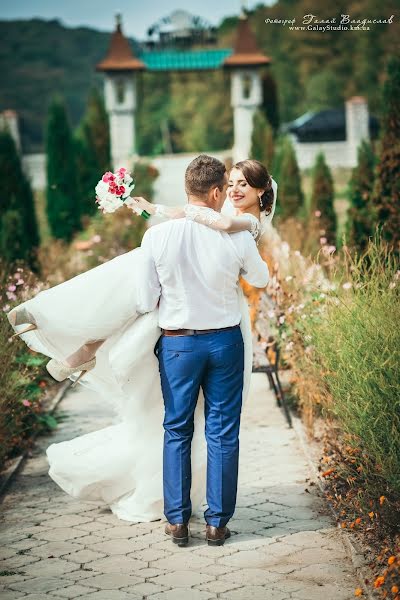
312	70
39	58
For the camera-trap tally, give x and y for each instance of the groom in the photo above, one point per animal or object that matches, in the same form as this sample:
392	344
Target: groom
194	272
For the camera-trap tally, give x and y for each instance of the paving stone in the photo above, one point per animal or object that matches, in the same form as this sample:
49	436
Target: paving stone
49	568
182	578
283	546
217	587
112	595
67	521
255	592
84	556
116	546
251	577
186	561
36	585
51	549
72	591
9	595
144	589
124	531
117	564
183	594
61	534
111	581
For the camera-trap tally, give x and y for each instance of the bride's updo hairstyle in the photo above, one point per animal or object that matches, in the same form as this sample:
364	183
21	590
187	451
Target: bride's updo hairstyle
257	176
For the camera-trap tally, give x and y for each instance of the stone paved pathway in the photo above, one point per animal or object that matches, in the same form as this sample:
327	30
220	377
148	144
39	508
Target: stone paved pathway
285	545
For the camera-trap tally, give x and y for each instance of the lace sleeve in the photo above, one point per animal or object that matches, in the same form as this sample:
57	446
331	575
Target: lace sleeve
204	215
255	225
221	222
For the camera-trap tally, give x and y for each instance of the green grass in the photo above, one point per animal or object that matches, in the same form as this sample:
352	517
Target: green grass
356	351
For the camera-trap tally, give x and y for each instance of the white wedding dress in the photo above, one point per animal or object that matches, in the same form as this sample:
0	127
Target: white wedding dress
120	465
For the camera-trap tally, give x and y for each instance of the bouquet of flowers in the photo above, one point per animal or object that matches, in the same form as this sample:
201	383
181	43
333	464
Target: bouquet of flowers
113	191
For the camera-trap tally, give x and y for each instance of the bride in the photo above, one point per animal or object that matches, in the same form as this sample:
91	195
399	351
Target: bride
90	324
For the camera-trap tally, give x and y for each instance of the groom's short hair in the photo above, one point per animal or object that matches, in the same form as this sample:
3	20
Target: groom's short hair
203	173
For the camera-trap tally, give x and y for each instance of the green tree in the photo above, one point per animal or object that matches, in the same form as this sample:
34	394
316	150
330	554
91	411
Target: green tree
92	151
262	140
62	194
291	198
12	240
386	192
16	196
270	100
322	197
323	91
360	216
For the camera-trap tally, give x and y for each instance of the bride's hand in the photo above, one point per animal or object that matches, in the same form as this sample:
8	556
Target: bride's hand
141	203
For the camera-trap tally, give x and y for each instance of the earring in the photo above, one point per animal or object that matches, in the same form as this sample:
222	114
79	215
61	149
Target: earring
260	198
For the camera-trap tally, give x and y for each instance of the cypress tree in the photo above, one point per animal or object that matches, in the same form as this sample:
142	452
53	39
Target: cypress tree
360	216
270	100
290	192
16	195
262	140
386	192
63	211
12	239
92	149
322	197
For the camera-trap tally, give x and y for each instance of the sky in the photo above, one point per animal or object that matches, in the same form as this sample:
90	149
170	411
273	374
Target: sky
137	15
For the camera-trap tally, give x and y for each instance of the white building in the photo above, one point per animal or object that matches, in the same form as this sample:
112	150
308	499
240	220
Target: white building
335	132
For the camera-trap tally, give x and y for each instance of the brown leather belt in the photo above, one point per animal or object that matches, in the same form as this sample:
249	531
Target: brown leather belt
194	331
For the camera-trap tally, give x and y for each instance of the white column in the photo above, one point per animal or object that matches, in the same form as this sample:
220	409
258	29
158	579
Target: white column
246	97
357	126
120	101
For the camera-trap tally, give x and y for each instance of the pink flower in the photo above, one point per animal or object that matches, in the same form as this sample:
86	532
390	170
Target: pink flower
121	190
121	172
6	307
322	240
26	403
11	288
20	281
96	238
107	177
11	296
317	213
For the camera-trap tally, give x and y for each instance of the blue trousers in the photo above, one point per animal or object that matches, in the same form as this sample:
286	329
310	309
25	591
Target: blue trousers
214	362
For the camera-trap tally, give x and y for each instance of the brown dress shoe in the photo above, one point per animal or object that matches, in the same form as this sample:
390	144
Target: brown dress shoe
216	536
179	533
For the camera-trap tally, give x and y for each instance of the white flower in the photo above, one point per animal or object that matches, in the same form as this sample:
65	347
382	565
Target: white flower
101	188
281	319
271	314
288	278
347	285
289	346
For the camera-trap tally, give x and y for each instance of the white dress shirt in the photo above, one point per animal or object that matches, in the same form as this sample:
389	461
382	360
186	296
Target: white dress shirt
194	271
